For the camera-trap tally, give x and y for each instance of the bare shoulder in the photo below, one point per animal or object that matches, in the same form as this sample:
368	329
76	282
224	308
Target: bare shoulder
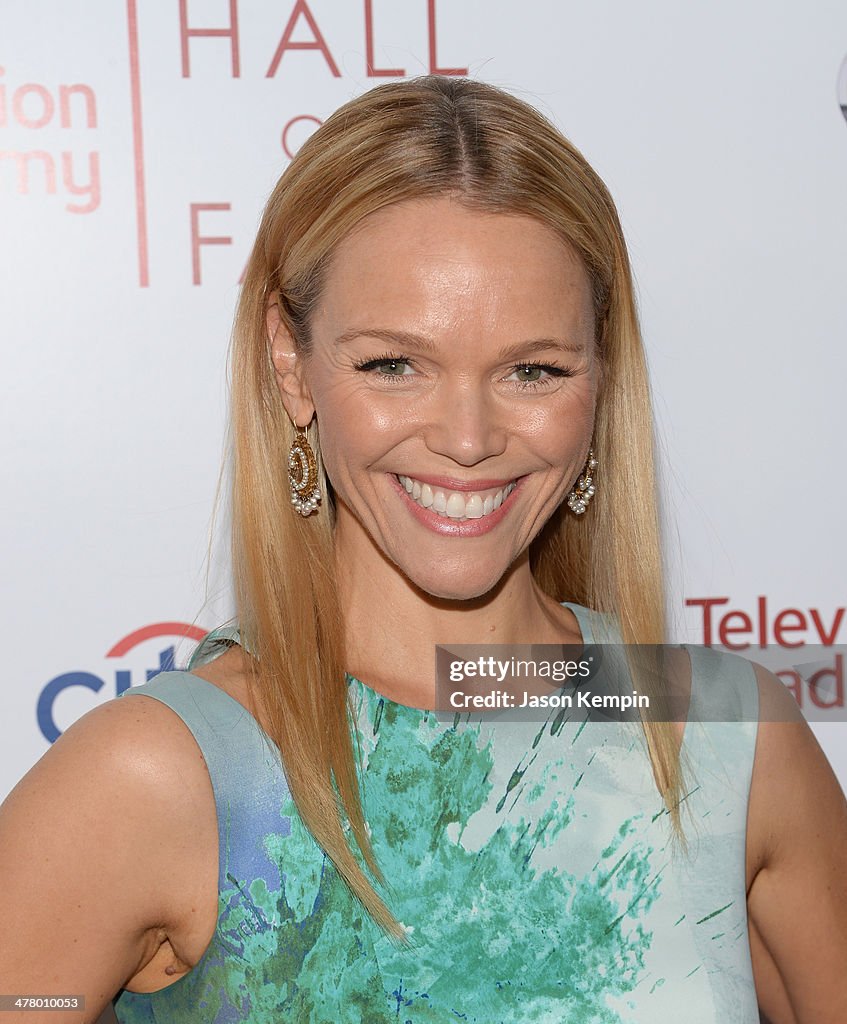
797	859
789	766
95	850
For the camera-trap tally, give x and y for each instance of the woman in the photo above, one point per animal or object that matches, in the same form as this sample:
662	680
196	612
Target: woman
442	435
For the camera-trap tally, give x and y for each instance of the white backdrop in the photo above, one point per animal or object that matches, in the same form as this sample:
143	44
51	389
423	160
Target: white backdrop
136	150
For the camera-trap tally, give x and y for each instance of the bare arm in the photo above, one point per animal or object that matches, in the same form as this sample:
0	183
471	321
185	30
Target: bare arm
89	840
797	900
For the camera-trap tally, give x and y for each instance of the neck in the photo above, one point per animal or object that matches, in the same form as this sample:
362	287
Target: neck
392	627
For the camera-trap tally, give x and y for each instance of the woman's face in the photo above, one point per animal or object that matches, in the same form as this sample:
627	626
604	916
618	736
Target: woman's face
454	376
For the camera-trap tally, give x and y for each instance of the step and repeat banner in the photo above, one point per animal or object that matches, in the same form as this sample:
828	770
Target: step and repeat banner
138	142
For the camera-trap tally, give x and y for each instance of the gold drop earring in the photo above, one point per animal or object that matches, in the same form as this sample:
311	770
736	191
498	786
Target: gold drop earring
303	474
583	490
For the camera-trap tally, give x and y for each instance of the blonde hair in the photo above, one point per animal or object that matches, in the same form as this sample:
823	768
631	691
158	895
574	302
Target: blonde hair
425	137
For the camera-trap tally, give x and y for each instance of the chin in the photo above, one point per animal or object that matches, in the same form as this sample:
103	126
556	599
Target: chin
452	593
455	585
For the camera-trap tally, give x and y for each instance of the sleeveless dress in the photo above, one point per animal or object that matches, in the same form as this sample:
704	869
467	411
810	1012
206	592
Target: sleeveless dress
531	862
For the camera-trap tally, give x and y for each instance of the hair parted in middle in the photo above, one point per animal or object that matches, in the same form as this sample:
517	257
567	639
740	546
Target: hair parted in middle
416	139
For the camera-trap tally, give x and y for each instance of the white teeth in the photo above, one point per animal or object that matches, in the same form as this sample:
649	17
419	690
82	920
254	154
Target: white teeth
455	504
473	508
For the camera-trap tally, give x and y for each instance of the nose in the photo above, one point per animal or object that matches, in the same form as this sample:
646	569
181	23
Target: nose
466	425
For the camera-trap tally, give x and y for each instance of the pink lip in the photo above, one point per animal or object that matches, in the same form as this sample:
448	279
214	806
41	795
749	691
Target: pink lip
452	527
448	483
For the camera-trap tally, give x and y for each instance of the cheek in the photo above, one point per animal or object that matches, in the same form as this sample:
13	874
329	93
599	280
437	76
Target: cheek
357	426
556	430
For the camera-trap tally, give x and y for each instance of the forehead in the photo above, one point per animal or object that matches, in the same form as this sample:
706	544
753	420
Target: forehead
438	265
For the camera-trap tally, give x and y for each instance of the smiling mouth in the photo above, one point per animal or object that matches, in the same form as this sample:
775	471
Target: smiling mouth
456	505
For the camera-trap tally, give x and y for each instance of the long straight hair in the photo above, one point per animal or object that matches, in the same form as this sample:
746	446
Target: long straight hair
421	138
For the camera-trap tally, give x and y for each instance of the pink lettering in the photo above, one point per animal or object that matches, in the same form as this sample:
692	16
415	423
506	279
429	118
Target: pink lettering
65	93
837	675
372	70
295	120
706	603
763	621
24	160
91	189
725	628
198	240
231	33
827	639
434	69
317	42
781	626
47	106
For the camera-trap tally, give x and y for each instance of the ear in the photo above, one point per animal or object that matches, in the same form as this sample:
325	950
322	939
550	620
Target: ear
289	366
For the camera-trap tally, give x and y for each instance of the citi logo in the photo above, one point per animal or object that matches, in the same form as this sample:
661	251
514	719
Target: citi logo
155	643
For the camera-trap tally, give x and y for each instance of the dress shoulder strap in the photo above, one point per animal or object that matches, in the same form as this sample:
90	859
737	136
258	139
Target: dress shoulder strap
723	718
724	687
596	627
233	744
213	644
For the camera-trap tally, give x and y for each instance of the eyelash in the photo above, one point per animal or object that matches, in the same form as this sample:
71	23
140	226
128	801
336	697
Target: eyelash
552	369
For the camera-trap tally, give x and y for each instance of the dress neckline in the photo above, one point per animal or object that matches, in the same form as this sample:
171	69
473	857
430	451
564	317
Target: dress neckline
231	634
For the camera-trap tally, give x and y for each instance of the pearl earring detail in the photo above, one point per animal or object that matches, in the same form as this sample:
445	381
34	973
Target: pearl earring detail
583	490
303	475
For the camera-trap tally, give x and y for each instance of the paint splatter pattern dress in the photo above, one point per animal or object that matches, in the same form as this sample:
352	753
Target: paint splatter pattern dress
531	861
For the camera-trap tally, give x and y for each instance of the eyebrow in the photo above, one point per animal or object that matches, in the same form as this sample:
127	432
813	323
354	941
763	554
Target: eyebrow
407	339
